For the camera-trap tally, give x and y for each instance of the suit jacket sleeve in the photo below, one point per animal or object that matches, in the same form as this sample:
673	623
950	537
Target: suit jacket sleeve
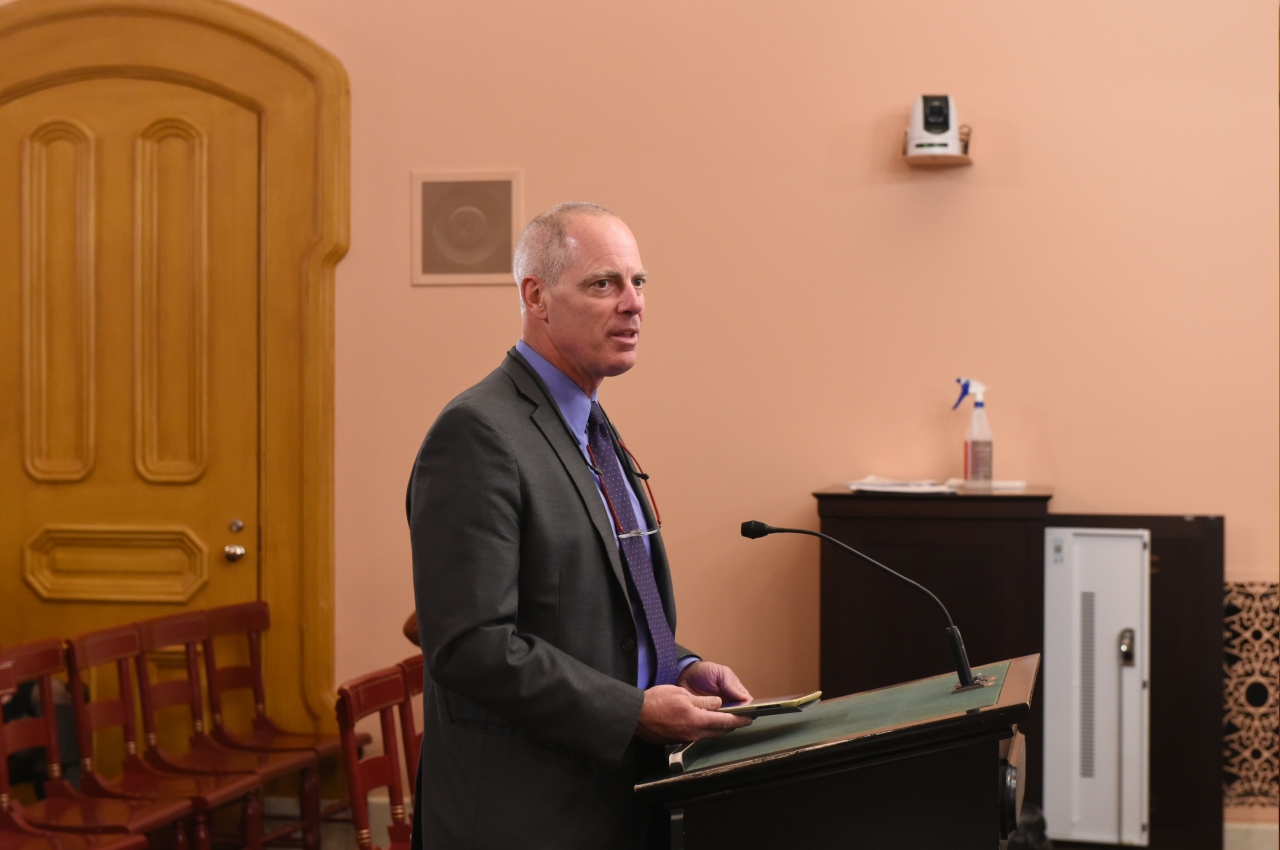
465	507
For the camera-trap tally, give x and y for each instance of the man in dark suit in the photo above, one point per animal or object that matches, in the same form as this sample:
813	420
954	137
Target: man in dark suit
544	601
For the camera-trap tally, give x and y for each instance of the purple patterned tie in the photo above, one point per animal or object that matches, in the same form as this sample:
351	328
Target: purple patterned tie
634	552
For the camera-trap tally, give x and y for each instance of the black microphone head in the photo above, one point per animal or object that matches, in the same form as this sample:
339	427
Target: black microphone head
755	528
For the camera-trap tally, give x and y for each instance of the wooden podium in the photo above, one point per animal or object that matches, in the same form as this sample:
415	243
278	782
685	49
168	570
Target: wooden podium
913	766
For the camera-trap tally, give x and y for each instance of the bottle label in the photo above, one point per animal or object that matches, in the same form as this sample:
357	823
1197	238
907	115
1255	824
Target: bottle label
977	460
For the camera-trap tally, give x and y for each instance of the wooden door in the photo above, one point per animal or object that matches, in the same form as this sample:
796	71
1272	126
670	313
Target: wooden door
132	347
173	200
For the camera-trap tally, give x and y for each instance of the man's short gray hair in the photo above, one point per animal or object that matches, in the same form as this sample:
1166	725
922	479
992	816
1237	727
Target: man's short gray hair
543	249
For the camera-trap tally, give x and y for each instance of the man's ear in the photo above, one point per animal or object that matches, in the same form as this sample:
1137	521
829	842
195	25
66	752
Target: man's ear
533	293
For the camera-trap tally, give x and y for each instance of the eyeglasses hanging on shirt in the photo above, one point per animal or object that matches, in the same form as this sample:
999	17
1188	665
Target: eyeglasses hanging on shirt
640	473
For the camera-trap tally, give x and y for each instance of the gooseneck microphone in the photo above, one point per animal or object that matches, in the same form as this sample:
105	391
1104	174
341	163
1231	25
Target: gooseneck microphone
754	529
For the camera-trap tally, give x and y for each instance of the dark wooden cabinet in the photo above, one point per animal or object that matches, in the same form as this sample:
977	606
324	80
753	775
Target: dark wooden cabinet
983	556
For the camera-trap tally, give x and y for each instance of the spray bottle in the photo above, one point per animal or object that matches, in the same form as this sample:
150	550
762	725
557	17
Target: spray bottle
977	440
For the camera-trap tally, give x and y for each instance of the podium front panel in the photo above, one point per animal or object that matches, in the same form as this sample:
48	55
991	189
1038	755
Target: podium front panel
915	765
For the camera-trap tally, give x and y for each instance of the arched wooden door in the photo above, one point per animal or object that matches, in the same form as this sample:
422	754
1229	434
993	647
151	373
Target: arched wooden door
172	203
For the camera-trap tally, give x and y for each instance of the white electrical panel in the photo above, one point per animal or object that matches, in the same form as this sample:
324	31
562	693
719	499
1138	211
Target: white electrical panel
1097	591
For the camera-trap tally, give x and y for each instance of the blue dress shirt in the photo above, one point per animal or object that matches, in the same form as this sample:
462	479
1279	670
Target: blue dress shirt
575	407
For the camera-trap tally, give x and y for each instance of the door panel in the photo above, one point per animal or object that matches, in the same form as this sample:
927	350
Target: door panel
184	164
57	275
133	338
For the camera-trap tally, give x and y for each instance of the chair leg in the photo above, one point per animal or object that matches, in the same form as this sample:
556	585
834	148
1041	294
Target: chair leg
309	806
200	831
252	822
179	836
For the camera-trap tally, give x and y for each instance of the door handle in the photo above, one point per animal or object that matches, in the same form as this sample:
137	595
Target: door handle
233	552
1126	647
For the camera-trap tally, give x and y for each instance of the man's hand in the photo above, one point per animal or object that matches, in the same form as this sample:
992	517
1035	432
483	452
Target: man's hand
708	679
673	715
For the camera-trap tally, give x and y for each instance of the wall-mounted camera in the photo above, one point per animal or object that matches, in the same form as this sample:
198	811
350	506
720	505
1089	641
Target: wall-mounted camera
935	136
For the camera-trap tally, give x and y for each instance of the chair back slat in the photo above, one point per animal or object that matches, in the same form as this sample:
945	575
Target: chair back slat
413	668
236	619
26	733
8	684
187	629
375	772
248	620
374	692
234	678
378	693
169	693
35	659
181	629
105	646
104	714
118	647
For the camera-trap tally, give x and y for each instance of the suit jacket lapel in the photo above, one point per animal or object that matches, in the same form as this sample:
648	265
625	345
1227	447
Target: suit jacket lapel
546	416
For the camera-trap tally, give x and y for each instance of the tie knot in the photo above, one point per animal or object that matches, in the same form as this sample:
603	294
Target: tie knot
596	419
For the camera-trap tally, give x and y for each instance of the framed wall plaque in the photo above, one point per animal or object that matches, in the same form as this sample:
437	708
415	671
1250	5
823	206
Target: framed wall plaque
465	226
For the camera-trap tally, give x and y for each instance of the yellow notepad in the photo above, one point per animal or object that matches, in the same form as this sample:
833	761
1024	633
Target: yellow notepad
772	705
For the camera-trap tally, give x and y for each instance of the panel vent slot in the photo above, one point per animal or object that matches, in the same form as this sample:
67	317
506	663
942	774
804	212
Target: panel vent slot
1086	684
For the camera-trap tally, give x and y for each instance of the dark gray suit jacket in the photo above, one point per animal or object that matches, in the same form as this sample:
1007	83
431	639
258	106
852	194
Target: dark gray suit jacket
530	701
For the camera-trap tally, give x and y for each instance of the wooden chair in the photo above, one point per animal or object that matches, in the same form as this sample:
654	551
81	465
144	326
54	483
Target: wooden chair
381	692
189	629
15	832
248	621
118	648
65	808
411	670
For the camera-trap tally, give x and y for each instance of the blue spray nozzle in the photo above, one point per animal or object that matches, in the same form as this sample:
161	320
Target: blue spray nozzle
968	386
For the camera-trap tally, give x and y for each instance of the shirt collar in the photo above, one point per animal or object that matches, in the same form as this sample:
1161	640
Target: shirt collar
574	404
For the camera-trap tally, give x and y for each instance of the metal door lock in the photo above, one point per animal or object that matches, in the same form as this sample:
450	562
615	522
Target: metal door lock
233	553
1126	647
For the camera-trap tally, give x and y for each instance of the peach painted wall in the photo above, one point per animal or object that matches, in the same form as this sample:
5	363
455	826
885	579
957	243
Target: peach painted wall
1109	266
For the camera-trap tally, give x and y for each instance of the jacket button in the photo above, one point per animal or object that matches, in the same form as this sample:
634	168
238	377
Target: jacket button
628	645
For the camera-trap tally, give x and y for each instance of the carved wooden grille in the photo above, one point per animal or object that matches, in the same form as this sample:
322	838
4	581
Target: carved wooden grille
1250	673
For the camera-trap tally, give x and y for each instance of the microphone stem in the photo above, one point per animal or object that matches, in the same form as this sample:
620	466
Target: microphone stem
873	562
958	655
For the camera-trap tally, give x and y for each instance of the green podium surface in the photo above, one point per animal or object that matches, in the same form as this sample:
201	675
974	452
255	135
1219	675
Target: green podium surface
844	718
913	765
